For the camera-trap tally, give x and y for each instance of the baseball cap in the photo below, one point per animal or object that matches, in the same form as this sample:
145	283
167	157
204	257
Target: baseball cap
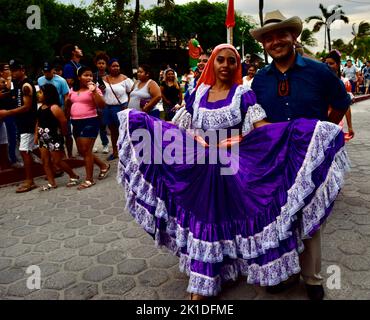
47	66
15	64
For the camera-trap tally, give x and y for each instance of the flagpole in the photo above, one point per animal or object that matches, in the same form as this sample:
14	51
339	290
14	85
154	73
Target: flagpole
230	36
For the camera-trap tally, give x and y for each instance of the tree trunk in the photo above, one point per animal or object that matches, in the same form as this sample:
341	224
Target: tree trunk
135	24
119	7
329	40
261	22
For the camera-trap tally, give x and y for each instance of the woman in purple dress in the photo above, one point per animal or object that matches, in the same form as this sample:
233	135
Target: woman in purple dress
244	216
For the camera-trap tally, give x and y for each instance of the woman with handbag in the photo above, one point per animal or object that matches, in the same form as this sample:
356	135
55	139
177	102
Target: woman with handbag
117	88
146	93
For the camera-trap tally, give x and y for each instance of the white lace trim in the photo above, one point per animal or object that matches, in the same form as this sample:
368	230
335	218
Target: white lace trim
221	118
137	188
269	274
183	119
323	136
254	114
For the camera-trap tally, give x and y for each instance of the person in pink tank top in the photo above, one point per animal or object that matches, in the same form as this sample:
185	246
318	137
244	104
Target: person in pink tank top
81	106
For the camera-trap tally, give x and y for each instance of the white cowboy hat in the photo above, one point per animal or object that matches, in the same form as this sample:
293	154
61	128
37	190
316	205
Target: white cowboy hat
274	20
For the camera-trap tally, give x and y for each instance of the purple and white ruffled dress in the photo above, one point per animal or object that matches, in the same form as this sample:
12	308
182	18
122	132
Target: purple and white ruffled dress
249	223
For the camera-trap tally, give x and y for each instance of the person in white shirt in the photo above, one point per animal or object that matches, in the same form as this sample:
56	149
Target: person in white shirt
146	93
350	72
248	79
117	89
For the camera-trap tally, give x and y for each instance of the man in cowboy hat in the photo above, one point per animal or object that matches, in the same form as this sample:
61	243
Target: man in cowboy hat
294	87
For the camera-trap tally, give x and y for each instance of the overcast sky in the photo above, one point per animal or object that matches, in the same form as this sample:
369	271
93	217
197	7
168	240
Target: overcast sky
356	10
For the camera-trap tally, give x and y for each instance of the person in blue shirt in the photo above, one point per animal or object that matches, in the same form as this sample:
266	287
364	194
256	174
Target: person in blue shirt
294	87
73	54
59	83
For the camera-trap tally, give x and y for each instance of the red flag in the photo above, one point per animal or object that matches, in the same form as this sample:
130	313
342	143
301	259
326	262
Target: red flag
230	14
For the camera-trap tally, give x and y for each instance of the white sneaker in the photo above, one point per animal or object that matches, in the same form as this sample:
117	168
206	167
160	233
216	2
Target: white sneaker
17	165
106	149
95	149
36	159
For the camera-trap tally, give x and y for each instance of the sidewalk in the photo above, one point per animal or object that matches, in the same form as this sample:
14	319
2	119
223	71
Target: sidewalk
88	247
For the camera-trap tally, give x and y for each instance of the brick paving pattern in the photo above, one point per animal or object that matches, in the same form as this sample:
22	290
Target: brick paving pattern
88	247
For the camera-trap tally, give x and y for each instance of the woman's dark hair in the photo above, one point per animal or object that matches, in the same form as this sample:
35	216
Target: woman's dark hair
101	55
147	69
67	50
112	60
80	71
335	55
51	95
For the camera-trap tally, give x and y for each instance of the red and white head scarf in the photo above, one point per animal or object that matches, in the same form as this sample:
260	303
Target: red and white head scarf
208	74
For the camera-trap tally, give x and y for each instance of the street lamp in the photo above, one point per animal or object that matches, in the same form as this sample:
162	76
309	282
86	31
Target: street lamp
336	15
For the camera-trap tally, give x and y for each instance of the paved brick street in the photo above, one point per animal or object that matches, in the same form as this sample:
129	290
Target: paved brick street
88	248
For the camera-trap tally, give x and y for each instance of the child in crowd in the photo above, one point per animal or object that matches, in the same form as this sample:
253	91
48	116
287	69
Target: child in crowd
51	127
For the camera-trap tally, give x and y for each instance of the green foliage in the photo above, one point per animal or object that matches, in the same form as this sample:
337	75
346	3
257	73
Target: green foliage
345	49
204	18
60	24
107	25
307	38
362	48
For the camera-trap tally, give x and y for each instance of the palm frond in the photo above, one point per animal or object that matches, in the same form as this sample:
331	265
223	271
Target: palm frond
314	18
323	10
317	26
344	18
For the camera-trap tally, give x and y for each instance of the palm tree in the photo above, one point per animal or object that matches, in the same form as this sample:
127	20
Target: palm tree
361	49
328	16
134	28
345	49
363	30
307	38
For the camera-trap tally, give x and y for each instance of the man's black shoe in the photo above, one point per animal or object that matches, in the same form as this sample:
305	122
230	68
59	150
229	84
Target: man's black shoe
315	292
285	285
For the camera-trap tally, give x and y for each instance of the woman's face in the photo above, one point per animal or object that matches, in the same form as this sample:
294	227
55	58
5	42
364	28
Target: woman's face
114	69
85	78
170	76
251	72
142	75
225	65
40	96
332	64
101	65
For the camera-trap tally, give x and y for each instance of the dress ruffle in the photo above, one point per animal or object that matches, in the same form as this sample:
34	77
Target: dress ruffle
174	227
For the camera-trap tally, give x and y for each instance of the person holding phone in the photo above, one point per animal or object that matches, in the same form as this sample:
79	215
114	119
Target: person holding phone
117	88
81	105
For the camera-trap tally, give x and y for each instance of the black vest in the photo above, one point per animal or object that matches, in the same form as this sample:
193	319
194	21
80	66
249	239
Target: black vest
26	121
